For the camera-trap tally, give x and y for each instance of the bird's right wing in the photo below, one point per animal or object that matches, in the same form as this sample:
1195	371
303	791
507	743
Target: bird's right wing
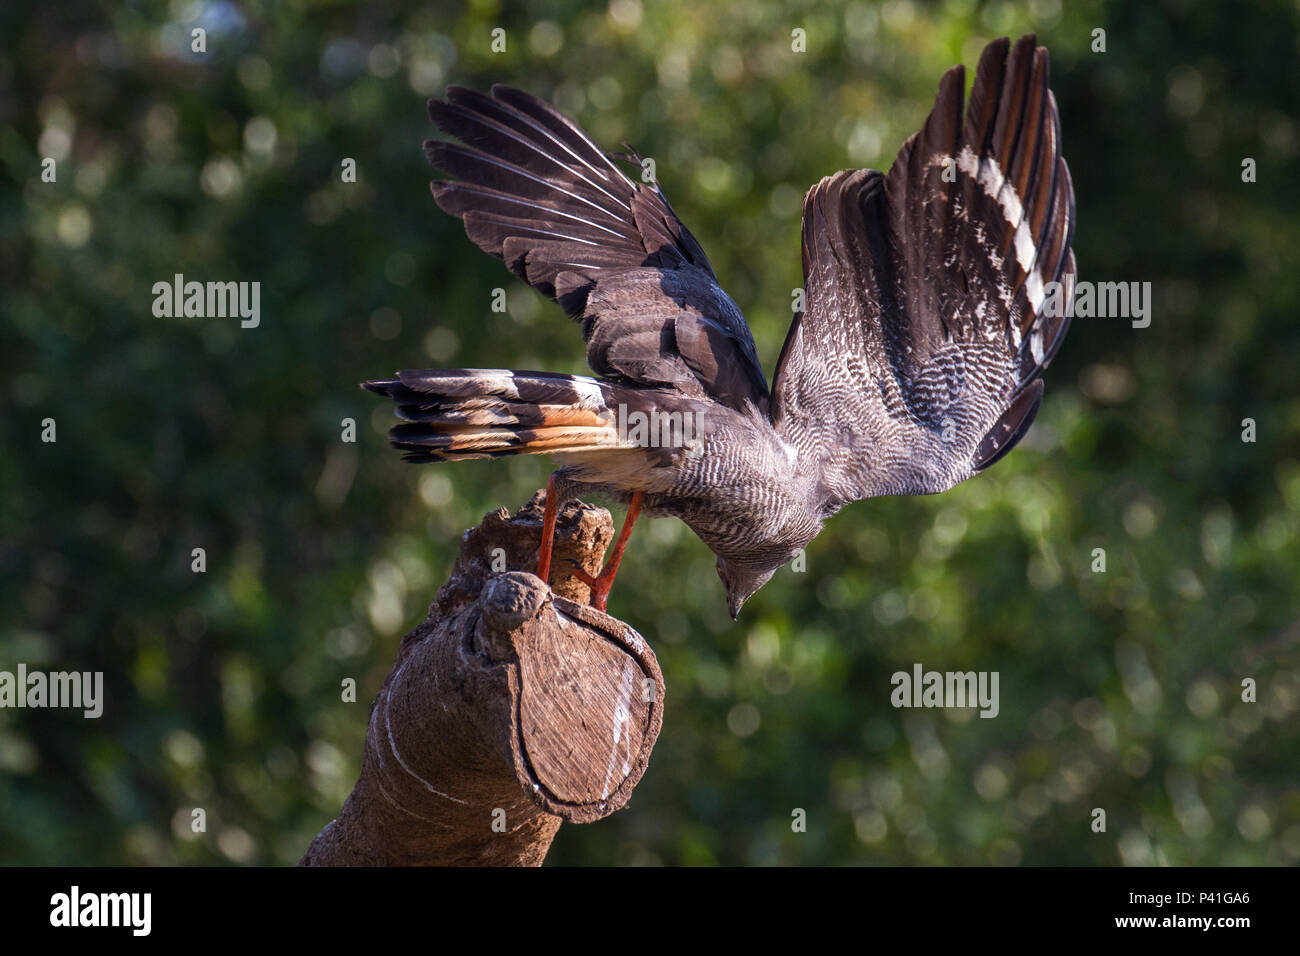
929	316
534	191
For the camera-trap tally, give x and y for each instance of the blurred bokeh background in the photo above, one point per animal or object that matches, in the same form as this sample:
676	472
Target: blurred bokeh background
1119	690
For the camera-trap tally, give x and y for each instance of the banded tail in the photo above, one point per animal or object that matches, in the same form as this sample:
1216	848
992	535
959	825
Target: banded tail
457	414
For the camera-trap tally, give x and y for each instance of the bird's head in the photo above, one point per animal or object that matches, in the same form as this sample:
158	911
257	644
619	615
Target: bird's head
742	579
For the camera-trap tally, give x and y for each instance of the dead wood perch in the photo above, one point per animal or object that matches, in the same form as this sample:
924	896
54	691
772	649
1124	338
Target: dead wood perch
510	705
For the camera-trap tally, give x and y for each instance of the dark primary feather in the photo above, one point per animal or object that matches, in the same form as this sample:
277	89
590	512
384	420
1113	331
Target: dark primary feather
534	191
915	361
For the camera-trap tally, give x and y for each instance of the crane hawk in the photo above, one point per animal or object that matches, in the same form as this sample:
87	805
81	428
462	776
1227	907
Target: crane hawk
914	364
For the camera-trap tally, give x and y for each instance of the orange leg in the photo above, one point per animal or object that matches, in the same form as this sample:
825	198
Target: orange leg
600	585
548	531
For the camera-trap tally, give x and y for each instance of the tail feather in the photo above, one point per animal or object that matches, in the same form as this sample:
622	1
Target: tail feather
457	414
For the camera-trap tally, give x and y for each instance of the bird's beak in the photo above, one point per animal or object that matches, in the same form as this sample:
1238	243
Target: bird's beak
734	604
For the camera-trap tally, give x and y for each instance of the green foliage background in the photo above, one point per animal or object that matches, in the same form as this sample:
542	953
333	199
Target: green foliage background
1119	690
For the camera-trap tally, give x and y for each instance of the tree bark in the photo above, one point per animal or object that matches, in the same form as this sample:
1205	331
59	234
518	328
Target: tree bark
513	707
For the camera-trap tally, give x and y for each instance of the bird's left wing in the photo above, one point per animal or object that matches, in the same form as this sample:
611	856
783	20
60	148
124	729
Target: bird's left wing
536	192
929	313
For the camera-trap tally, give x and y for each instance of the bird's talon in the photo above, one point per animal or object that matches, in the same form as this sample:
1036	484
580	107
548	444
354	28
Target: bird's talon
583	576
600	585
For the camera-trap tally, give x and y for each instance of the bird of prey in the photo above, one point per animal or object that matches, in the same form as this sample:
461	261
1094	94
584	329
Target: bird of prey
914	363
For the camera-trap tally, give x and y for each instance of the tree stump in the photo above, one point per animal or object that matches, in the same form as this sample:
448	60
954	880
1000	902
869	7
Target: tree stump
513	707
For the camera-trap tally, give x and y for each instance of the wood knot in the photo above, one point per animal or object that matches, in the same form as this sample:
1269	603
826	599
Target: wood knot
510	600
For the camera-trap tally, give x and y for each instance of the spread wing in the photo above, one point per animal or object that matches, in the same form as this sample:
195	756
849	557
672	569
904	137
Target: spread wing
534	191
928	310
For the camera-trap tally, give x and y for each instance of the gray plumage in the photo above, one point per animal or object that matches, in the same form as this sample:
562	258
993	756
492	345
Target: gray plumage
914	364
